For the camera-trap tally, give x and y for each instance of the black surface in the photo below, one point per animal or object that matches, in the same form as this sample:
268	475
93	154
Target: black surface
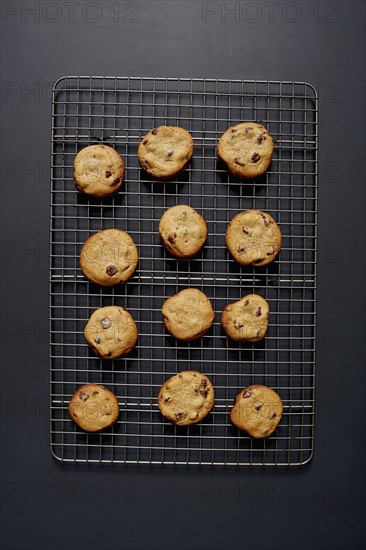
47	505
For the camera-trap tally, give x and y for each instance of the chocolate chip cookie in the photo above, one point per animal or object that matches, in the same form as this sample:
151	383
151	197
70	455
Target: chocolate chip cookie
109	257
186	398
253	238
247	319
165	151
246	149
183	232
93	408
188	315
98	170
257	411
111	332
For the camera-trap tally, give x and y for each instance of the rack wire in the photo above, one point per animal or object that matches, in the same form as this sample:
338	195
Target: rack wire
118	111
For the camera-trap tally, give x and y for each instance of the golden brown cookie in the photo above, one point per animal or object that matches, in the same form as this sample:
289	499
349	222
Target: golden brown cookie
109	257
165	151
257	411
186	398
253	238
98	170
247	319
183	232
246	149
111	332
188	314
93	408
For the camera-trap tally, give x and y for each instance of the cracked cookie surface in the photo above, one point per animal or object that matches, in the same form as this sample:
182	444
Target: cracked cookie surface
186	398
183	232
253	238
109	257
111	332
246	149
247	319
98	170
165	151
257	410
188	315
93	408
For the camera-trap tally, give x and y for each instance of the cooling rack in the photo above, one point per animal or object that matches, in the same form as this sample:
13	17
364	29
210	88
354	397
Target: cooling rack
119	111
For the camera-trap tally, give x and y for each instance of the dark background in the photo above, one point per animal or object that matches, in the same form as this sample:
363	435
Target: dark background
50	506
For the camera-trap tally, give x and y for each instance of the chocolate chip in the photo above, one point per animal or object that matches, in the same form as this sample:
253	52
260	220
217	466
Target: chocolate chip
111	270
255	157
234	130
108	174
116	181
203	382
78	186
258	311
145	142
246	394
272	415
180	376
238	324
261	138
245	231
154	131
204	393
258	406
241	249
180	416
95	392
167	399
265	220
169	152
106	323
83	395
246	302
171	239
97	340
249	128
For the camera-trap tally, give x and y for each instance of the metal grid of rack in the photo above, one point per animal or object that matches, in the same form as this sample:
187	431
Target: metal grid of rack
119	111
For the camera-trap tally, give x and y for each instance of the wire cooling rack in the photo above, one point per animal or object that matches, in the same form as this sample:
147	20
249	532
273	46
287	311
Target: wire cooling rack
118	112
